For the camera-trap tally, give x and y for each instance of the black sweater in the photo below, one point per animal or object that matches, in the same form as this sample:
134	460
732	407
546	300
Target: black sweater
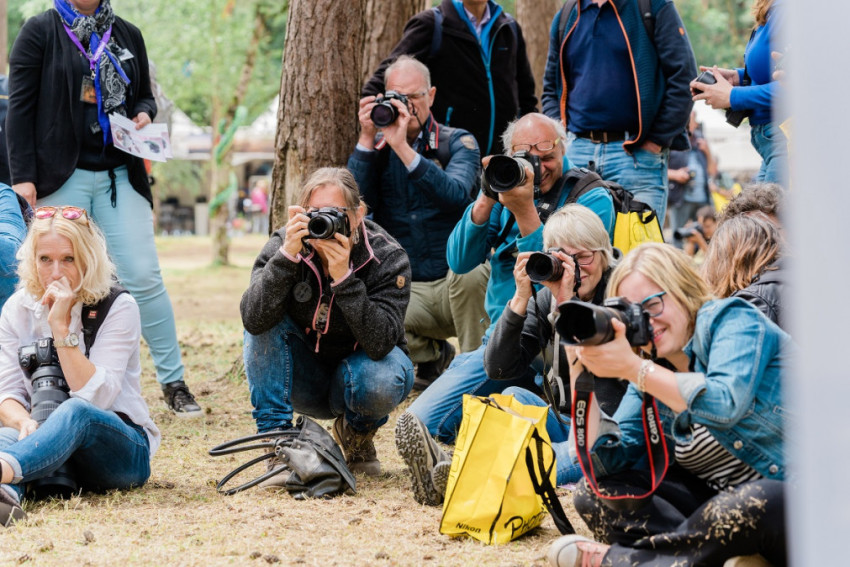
46	119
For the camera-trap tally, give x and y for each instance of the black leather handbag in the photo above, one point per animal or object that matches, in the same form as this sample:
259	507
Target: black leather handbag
316	462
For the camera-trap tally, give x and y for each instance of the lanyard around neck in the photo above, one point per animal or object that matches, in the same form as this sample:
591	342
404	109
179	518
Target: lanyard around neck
100	48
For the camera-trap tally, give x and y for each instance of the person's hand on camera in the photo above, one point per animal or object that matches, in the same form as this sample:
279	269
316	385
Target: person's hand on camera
336	252
680	176
731	75
697	240
614	359
368	130
524	290
716	95
296	229
59	298
483	205
396	133
563	289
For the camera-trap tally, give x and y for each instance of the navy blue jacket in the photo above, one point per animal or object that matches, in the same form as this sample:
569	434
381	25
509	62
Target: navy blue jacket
480	88
420	208
664	65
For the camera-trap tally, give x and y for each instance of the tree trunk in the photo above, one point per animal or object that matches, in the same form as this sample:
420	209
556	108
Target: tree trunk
384	22
535	18
320	87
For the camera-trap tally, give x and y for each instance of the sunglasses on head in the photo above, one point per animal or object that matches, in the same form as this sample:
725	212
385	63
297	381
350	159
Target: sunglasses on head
68	213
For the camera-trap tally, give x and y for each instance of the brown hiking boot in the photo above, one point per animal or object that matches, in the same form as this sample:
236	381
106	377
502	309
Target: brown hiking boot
359	448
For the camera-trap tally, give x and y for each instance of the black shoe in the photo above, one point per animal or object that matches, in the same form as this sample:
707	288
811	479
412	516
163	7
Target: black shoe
427	372
180	400
10	509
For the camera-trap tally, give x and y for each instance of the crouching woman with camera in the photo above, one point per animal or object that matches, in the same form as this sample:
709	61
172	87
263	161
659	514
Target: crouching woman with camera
324	321
101	435
717	378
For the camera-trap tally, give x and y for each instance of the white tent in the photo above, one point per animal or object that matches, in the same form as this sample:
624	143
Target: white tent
730	146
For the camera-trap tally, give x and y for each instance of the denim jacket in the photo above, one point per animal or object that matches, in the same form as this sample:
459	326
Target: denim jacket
734	389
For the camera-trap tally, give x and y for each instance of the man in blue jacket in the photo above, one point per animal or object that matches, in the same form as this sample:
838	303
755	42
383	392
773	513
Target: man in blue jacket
417	177
619	80
511	225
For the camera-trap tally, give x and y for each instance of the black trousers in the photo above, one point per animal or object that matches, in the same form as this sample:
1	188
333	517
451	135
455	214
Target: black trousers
686	523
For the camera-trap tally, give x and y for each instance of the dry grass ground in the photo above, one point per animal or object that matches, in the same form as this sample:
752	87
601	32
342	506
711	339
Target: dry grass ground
179	519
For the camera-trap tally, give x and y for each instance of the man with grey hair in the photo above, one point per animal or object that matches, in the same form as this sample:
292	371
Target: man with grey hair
508	224
417	176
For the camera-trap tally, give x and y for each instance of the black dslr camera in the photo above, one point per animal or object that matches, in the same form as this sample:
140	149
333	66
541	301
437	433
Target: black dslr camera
40	363
326	222
733	117
503	173
688	230
384	113
581	323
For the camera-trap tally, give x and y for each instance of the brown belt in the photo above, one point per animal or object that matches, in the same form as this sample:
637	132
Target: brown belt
602	136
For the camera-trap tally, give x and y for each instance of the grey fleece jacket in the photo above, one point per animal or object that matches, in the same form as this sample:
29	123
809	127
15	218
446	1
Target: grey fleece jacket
367	306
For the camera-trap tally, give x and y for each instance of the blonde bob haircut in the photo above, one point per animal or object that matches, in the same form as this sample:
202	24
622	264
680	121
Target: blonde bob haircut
97	272
577	226
671	270
742	248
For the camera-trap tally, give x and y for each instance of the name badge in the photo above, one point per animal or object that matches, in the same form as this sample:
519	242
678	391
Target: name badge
87	92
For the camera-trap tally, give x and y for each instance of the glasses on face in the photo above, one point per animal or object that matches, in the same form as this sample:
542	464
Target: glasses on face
414	96
544	146
317	209
69	213
582	258
654	304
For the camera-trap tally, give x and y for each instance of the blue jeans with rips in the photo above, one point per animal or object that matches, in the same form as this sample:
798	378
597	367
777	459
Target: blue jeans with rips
285	375
128	228
559	433
13	230
772	145
105	451
642	172
440	406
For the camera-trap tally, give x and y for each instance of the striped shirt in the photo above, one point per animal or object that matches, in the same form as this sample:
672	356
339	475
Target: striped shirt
710	461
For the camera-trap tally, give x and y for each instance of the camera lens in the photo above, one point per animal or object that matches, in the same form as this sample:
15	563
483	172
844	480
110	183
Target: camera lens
383	114
503	173
543	267
321	226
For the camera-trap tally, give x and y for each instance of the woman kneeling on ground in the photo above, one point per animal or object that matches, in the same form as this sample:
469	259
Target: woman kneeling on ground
103	433
717	378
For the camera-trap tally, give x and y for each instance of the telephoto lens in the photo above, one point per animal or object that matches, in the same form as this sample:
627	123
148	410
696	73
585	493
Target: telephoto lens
543	267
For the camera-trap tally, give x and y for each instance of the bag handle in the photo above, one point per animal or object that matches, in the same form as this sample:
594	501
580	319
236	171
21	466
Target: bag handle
543	487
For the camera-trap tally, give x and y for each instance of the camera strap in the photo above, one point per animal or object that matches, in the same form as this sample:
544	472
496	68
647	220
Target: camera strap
93	316
659	458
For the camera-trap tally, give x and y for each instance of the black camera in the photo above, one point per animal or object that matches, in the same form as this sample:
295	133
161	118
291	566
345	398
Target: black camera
733	117
689	230
40	363
384	113
544	267
582	323
503	173
326	222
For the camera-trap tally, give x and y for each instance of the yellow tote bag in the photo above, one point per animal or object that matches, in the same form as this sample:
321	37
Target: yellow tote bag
490	495
633	228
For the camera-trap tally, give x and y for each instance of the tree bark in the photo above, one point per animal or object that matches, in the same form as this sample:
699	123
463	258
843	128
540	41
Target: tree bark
535	17
320	87
384	23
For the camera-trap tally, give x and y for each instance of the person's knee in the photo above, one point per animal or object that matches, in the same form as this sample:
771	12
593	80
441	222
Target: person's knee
74	411
377	387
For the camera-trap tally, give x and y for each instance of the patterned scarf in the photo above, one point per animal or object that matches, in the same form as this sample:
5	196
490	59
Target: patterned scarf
110	81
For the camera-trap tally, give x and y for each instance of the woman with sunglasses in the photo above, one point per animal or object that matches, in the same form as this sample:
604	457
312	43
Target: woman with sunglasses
70	68
574	236
324	321
103	431
717	380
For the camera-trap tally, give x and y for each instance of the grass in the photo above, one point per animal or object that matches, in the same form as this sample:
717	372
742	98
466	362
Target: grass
177	518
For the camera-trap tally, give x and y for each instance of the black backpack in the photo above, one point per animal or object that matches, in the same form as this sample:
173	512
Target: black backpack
645	11
94	315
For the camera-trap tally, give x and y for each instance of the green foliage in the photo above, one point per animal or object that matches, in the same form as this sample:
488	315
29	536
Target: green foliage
717	35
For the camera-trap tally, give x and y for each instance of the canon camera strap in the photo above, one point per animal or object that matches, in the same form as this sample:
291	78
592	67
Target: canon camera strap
659	458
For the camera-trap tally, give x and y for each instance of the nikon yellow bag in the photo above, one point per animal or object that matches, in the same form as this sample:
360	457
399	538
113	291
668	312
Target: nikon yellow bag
491	495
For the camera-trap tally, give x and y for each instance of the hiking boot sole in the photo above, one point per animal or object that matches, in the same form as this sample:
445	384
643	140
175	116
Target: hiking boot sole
440	476
411	440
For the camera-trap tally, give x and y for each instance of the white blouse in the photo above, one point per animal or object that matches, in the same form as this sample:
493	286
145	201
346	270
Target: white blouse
115	384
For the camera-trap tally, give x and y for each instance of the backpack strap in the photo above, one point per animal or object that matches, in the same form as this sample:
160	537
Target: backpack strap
581	180
94	315
437	34
645	7
563	16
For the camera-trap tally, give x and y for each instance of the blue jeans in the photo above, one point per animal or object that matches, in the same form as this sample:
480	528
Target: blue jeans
105	451
13	230
440	406
285	375
566	470
772	145
128	228
643	173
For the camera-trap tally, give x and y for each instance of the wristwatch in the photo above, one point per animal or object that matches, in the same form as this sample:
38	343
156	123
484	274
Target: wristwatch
70	341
